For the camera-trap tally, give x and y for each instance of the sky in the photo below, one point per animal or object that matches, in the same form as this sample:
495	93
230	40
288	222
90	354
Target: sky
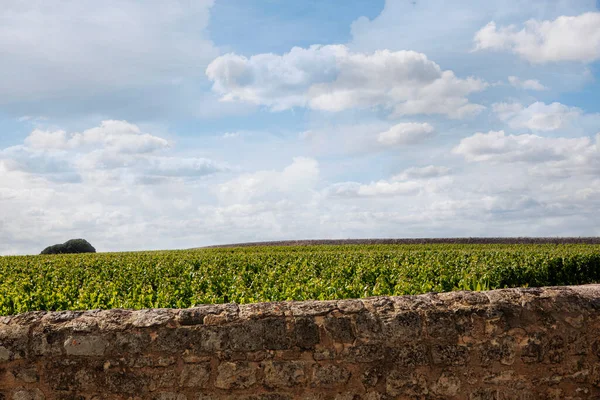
142	125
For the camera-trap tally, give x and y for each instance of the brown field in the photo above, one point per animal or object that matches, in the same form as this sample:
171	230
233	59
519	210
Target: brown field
462	240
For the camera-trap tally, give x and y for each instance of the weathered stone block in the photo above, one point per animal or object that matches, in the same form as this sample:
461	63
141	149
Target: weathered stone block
506	379
276	336
191	316
123	382
134	342
27	374
247	336
448	384
368	326
340	328
28	394
13	341
365	353
307	333
329	375
85	345
195	340
404	327
161	378
74	374
195	375
5	354
312	308
240	375
48	343
502	350
406	383
441	325
410	355
151	318
324	354
373	374
533	349
280	374
446	355
350	306
149	361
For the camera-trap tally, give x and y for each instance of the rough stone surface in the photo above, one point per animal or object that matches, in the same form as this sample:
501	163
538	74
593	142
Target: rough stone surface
536	343
232	375
195	375
280	374
85	345
4	354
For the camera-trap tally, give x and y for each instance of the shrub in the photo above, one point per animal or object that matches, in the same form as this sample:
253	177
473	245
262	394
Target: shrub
70	247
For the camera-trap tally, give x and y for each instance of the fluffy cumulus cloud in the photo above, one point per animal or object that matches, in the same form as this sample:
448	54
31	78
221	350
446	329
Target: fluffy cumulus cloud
528	84
333	78
117	147
374	189
295	179
430	171
413	182
114	136
440	26
580	154
566	38
406	133
537	116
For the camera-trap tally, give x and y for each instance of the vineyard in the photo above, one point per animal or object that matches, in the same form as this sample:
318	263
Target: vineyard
254	274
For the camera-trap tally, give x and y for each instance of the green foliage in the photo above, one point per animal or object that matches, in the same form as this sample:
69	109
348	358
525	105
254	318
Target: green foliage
245	275
73	246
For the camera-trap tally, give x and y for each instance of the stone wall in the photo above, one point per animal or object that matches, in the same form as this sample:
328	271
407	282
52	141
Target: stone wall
504	344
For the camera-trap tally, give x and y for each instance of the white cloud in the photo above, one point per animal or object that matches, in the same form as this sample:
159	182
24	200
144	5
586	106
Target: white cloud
430	171
537	116
406	133
497	147
41	139
567	38
373	189
114	136
414	181
444	31
440	26
114	145
119	137
528	84
332	78
295	179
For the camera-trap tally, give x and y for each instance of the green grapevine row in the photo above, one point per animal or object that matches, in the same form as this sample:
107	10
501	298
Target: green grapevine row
253	274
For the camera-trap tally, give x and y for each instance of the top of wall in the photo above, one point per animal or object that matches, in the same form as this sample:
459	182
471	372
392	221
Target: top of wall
568	298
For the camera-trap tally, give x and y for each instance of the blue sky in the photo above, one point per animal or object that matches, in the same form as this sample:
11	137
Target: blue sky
157	125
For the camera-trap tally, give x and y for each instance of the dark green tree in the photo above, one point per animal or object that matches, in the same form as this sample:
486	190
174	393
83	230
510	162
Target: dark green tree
72	246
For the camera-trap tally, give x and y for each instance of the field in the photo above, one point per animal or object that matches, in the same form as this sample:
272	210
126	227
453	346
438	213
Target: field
252	274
